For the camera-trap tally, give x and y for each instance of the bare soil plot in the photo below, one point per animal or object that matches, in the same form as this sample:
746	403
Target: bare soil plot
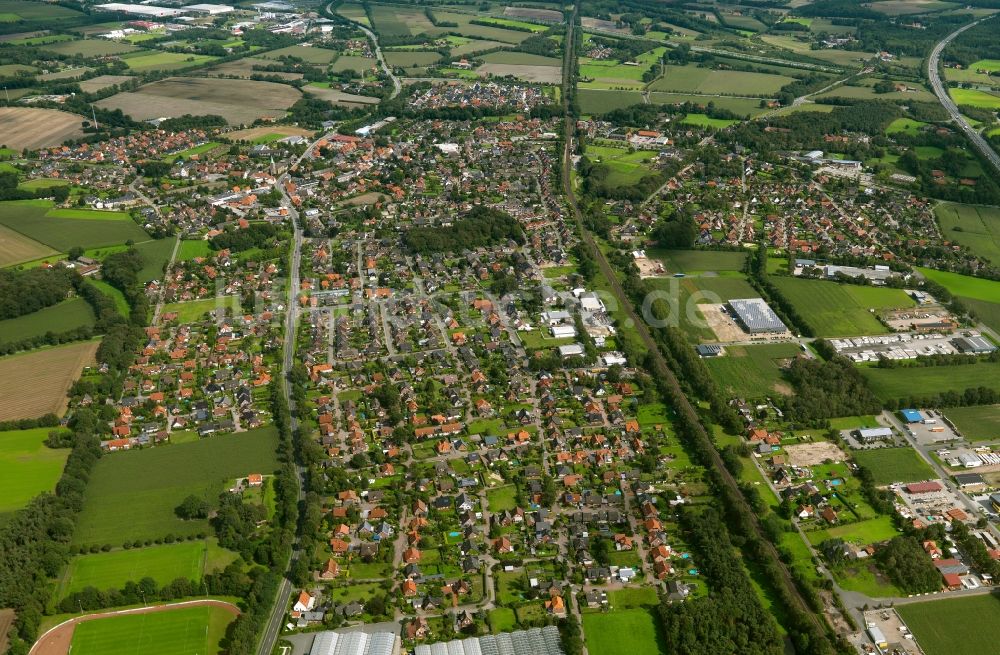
244	68
252	133
340	98
15	248
6	621
101	82
36	383
814	454
534	13
725	328
540	74
27	127
239	101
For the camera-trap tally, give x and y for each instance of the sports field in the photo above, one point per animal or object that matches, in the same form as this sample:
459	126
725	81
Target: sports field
894	465
158	479
752	371
976	227
197	630
35	383
692	78
976	423
62	229
32	128
605	633
839	310
955	626
29	466
66	315
895	383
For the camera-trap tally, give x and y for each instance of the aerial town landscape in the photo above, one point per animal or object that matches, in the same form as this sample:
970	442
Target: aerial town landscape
437	327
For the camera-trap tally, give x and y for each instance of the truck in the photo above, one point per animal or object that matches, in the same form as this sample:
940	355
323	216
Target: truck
929	421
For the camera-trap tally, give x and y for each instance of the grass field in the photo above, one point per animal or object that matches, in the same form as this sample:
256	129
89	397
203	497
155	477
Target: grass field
894	383
904	126
63	229
692	78
606	633
976	227
975	98
90	48
35	383
627	168
164	61
955	626
695	262
194	310
502	498
894	465
976	423
598	101
29	466
158	479
703	120
741	106
752	371
66	315
155	254
839	310
189	249
965	285
502	620
121	304
308	54
175	632
862	532
693	291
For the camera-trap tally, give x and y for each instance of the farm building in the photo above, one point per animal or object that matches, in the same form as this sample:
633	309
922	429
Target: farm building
756	316
871	435
912	415
354	643
973	345
537	641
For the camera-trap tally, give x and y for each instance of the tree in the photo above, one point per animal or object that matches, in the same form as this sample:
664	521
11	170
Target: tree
192	507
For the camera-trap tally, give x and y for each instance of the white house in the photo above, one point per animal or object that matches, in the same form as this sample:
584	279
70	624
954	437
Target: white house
563	331
305	603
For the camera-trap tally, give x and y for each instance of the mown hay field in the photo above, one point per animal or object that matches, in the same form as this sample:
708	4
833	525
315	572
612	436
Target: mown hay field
35	383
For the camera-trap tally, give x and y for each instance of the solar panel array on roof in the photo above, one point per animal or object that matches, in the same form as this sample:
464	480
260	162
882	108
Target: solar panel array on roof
537	641
353	643
756	316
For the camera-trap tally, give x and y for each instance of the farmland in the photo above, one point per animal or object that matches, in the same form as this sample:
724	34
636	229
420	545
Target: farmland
164	61
239	101
61	317
16	248
598	101
35	383
604	633
24	127
975	227
310	55
749	371
102	82
894	465
904	382
965	285
30	467
63	229
741	106
90	48
975	98
839	310
976	423
693	262
180	630
158	479
111	570
705	80
954	626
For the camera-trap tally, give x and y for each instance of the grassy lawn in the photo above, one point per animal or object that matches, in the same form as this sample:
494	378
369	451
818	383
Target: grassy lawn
158	479
606	633
29	466
980	423
627	168
191	248
633	598
867	579
862	532
839	310
748	371
195	310
121	304
956	626
905	126
66	315
888	383
360	592
894	465
703	120
502	498
502	619
184	630
113	569
693	262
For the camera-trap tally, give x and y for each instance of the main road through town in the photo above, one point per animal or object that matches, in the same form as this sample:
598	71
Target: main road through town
934	74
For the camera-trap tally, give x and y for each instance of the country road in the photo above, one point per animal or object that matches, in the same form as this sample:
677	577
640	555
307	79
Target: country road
934	74
397	86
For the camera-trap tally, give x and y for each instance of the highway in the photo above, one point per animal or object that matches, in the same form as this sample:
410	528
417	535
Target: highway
934	74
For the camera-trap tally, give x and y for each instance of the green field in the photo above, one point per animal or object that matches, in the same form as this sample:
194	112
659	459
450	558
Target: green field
191	248
752	371
29	466
194	310
975	98
627	168
356	64
976	227
905	126
693	291
177	632
703	120
502	619
895	383
166	61
66	315
740	106
158	479
308	54
964	285
976	423
121	304
695	262
955	626
155	254
862	532
597	101
890	465
113	569
502	498
64	228
411	58
90	48
623	632
839	310
692	78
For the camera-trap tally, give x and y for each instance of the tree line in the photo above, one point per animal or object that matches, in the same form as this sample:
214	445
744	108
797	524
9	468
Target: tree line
482	226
